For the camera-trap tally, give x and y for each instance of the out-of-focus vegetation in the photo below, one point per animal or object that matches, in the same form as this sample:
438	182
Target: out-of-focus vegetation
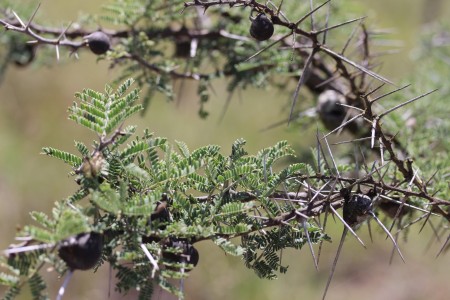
33	114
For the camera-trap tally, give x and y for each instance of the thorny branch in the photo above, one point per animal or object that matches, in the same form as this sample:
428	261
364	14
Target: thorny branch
321	77
320	193
318	80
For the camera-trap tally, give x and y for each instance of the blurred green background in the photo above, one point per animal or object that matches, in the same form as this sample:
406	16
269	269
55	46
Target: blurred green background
33	114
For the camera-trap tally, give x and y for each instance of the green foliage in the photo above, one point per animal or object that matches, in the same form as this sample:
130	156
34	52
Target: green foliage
228	247
64	156
11	293
261	250
204	194
24	263
155	54
8	280
38	287
126	182
123	12
103	112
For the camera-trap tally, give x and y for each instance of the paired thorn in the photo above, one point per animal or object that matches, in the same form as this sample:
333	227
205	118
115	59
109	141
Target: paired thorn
347	43
332	158
151	259
63	33
387	94
15	250
269	46
355	65
279	7
325	219
388	233
32	16
311	12
412	222
443	246
369	227
310	245
373	91
425	222
63	287
373	132
406	103
343	124
396	239
18	19
318	151
338	25
352	141
333	268
327	19
57	52
347	226
300	82
406	205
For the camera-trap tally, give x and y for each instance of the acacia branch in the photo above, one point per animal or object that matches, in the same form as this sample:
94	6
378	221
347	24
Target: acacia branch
319	71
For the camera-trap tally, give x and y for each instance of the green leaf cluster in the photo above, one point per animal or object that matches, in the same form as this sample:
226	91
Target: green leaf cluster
205	195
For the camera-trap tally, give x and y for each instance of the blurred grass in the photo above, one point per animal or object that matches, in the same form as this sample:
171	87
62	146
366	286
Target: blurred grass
33	114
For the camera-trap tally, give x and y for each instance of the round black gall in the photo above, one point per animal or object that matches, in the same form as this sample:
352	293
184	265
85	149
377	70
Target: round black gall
98	42
357	209
83	251
23	54
261	28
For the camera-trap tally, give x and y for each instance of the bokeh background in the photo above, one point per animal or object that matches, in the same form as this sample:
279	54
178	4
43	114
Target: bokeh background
33	114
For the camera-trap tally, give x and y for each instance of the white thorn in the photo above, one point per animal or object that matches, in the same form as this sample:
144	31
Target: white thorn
151	259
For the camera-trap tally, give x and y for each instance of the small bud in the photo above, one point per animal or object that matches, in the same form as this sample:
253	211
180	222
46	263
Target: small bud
92	167
98	42
261	28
